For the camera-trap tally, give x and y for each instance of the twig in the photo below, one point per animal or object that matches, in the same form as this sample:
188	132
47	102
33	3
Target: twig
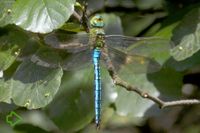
83	19
77	16
162	104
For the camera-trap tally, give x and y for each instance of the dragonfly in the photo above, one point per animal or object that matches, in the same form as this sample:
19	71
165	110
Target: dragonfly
89	48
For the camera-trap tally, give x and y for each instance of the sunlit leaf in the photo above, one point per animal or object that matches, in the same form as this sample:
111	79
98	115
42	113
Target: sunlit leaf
42	16
5	91
187	36
7	57
6	12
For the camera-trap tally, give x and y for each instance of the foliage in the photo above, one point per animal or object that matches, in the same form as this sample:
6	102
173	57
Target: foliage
66	98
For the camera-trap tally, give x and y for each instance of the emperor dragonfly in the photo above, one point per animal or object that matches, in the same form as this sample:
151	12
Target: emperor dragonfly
111	47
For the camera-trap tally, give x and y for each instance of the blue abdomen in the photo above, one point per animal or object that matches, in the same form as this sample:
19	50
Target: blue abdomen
97	85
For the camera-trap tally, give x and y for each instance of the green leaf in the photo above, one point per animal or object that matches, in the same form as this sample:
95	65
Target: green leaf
135	23
168	81
42	16
37	118
11	43
29	49
5	91
7	57
121	3
95	5
28	128
187	36
147	4
5	128
73	27
6	12
184	64
112	24
167	31
35	86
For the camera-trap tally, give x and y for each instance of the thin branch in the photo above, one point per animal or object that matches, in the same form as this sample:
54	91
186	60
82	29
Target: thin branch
83	19
181	102
77	16
162	104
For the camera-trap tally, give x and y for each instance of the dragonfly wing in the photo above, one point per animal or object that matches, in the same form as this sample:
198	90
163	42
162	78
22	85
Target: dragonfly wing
132	62
122	42
153	47
56	58
77	61
45	63
47	57
73	43
138	45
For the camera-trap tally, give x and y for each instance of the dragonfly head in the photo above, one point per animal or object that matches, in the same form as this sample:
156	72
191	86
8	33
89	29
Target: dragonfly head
97	21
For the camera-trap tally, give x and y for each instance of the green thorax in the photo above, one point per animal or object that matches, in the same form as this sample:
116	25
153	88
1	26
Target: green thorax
97	34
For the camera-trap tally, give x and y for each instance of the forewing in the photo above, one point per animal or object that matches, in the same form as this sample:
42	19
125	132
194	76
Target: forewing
73	43
122	42
151	47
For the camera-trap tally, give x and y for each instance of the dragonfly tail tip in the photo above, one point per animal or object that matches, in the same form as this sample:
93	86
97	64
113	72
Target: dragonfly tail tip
98	126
